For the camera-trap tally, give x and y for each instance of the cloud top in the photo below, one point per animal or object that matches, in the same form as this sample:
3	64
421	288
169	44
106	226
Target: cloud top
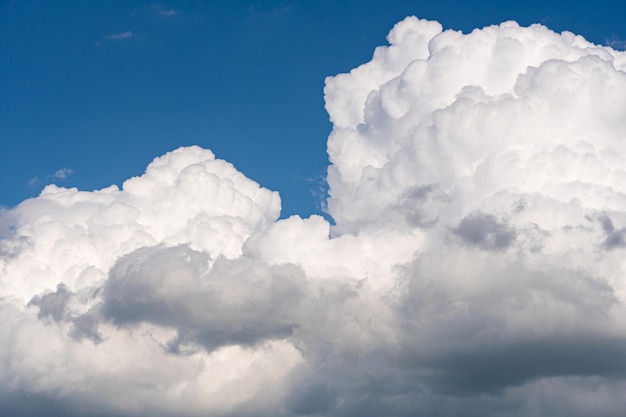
470	113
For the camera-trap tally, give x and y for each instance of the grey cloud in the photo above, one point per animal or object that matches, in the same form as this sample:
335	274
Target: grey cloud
500	324
10	248
53	304
86	326
614	238
490	369
25	404
231	302
310	398
8	218
421	205
485	231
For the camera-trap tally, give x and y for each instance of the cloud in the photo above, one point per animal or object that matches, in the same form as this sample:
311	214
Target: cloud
52	304
260	11
614	238
63	173
120	36
616	43
59	174
474	267
213	306
158	9
166	12
117	37
485	231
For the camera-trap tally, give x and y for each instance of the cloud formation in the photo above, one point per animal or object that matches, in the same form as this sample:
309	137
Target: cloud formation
475	266
120	36
59	174
63	173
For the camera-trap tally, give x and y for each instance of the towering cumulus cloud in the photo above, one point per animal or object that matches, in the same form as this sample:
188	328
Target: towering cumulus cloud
475	267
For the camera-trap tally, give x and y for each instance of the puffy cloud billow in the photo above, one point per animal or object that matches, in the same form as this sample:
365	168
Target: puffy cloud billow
476	264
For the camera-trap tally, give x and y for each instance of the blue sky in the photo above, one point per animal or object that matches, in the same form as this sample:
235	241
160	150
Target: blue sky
91	92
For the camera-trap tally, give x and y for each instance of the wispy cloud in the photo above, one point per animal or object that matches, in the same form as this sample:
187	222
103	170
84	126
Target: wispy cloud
63	173
120	36
260	11
59	174
170	12
164	11
117	37
158	9
619	44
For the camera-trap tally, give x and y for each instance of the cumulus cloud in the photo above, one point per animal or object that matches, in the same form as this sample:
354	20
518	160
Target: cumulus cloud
475	266
172	287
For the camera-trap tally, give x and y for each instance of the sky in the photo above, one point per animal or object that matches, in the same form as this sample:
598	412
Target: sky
93	91
326	209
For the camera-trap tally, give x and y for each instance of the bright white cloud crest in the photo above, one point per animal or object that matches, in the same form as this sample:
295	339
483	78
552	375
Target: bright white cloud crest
477	182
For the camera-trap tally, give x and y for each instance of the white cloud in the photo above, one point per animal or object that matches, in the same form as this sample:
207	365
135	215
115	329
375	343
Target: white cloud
616	43
160	9
120	36
167	12
475	268
59	174
63	173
